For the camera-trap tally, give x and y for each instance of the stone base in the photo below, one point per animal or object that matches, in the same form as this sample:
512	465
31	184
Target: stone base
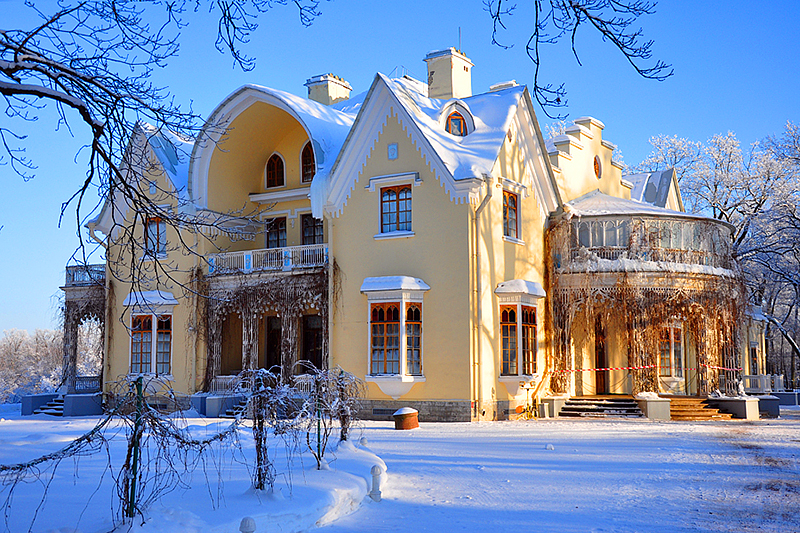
787	398
769	406
655	408
35	401
744	408
429	410
83	404
213	406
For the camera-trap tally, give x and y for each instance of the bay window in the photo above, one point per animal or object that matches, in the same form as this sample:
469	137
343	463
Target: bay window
151	344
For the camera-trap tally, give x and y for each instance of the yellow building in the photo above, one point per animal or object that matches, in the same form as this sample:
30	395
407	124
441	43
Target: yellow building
427	240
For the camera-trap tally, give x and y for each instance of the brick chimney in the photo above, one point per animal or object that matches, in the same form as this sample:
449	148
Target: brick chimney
328	89
449	74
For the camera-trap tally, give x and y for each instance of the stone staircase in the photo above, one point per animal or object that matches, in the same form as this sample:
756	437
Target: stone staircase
694	408
236	410
611	406
55	407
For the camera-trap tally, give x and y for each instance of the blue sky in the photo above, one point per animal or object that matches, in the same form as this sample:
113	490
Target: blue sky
737	68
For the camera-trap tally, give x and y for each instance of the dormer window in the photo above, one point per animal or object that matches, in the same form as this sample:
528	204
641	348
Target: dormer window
307	161
275	171
456	125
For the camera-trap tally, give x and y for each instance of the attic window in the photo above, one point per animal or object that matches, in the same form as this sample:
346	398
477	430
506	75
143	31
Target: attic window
456	125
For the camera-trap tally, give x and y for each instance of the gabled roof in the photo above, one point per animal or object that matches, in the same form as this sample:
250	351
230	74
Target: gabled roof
173	154
460	163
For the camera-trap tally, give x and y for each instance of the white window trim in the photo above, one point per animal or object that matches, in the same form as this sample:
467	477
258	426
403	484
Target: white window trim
154	312
393	235
529	297
396	385
513	186
513	240
463	110
405	178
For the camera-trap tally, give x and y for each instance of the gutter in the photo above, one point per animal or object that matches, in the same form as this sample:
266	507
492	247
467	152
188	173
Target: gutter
476	363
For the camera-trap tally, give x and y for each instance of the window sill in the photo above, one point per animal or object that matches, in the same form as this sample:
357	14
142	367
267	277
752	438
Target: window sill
515	385
394	385
151	257
394	235
513	240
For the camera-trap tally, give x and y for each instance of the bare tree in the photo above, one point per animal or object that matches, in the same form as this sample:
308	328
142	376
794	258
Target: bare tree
93	61
554	20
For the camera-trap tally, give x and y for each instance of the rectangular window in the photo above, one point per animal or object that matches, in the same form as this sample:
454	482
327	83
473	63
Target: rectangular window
312	230
414	339
155	237
148	356
670	345
508	325
276	233
753	360
385	338
396	208
510	214
528	326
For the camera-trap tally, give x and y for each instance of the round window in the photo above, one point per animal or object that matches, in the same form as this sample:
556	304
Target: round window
598	169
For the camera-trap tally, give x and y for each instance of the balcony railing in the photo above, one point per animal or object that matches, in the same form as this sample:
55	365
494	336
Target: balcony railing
81	275
268	260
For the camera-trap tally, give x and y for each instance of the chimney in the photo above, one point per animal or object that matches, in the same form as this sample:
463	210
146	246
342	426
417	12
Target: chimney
327	89
449	74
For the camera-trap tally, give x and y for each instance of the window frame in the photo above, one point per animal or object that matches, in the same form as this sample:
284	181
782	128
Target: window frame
519	339
395	227
305	165
676	369
155	351
160	248
456	116
271	230
317	227
275	157
508	231
380	323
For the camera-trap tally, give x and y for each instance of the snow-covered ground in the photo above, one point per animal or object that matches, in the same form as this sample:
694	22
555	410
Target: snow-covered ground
547	475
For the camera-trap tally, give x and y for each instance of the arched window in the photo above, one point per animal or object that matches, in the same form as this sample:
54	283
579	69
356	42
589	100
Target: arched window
456	125
275	171
307	161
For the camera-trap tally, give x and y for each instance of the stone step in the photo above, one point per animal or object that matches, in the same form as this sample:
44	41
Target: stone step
600	407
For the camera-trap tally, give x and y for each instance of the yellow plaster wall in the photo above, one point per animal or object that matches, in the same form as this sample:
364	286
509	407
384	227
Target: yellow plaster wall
179	263
504	260
576	162
438	253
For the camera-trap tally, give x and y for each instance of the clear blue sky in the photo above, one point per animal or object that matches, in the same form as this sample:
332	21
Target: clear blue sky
737	68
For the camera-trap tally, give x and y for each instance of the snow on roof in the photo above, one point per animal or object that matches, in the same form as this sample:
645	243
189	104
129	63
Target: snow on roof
651	187
394	283
149	299
173	152
521	286
597	203
474	154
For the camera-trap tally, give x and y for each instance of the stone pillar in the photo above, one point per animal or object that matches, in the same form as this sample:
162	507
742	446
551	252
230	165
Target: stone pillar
289	326
214	341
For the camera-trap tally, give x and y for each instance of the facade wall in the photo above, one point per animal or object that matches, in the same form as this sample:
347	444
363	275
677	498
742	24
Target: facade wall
438	253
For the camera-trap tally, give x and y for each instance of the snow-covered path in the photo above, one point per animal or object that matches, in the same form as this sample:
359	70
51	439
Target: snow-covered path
600	476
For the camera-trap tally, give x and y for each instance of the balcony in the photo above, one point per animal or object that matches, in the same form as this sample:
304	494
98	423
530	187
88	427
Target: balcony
268	260
85	275
620	239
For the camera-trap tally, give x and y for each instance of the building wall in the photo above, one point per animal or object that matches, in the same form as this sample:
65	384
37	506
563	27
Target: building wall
179	263
438	253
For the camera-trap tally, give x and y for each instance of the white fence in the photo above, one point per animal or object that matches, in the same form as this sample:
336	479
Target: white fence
763	383
269	259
